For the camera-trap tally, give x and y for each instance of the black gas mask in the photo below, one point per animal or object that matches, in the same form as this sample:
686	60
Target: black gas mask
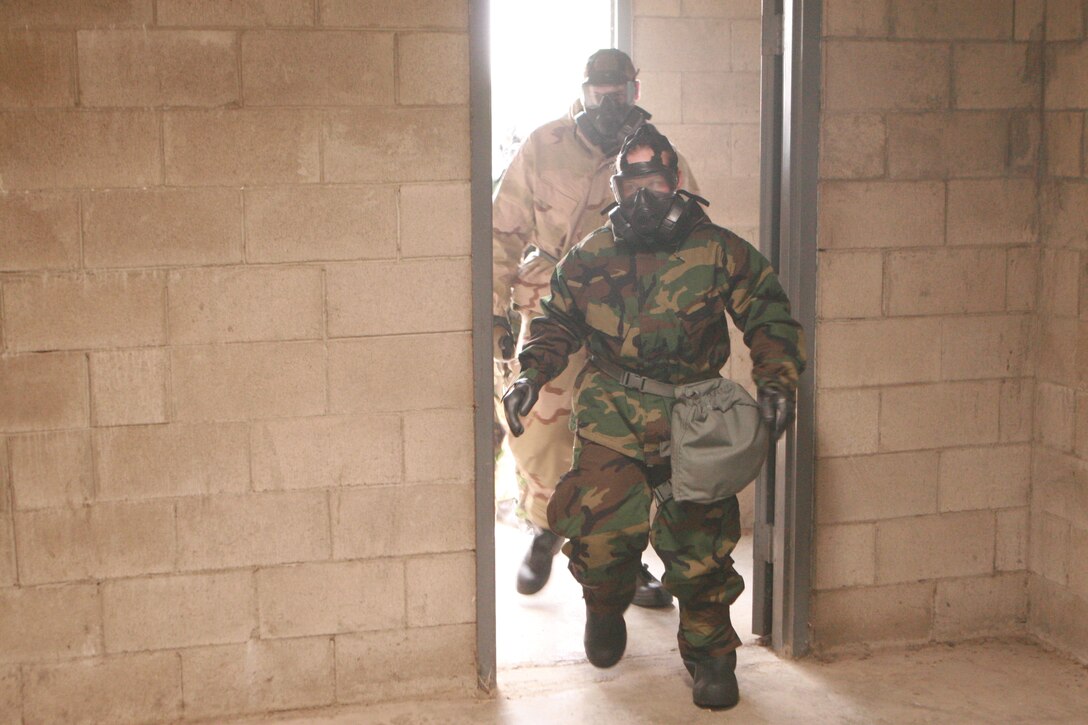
609	123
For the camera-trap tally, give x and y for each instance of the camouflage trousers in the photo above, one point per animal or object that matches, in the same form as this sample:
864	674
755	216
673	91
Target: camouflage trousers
544	451
603	506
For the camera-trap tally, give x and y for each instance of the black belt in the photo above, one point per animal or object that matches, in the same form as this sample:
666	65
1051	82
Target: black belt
634	380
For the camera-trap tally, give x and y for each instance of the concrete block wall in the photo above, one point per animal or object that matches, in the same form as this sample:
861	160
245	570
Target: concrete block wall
1058	575
699	63
235	376
929	252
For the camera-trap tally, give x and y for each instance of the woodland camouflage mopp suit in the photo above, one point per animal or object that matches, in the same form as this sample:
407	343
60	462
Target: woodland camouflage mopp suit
648	294
549	198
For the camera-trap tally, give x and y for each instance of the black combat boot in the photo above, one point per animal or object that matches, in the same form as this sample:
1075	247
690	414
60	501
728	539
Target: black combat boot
715	682
648	591
536	567
605	638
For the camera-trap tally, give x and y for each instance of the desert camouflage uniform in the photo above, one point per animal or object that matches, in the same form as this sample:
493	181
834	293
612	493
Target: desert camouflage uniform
660	314
549	198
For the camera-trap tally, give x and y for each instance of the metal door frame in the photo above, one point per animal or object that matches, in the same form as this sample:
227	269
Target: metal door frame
789	136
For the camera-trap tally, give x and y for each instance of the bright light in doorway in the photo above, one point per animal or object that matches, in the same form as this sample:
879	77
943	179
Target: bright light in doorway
538	53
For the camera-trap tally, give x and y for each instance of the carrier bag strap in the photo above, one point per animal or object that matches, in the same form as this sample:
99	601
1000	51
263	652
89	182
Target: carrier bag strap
634	380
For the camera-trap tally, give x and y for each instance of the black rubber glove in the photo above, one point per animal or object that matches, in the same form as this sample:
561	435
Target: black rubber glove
776	407
503	339
517	401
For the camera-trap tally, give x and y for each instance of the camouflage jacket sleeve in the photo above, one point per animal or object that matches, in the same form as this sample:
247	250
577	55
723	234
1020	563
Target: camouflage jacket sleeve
513	225
759	307
554	336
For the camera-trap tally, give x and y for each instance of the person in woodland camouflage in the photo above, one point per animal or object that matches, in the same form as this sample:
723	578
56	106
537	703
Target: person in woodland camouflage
647	294
548	199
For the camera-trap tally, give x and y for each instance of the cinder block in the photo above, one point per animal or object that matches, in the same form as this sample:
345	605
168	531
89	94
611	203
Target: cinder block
845	556
425	208
235	13
1058	282
406	663
1057	616
442	589
97	542
125	689
397	144
877	352
984	347
992	212
717	9
945	281
1081	443
689	45
852	146
1049	541
847	422
245	304
333	598
959	19
746	45
399	373
11	696
241	147
326	452
1020	282
178	611
8	571
1078	552
1064	139
720	97
69	13
1064	20
330	68
404	14
35	68
432	68
881	214
295	224
992	604
872	75
67	312
128	387
932	547
735	201
1012	540
709	148
991	75
851	284
890	485
158	68
1066	70
1055	407
657	8
65	149
873	614
398	521
218	532
258	677
158	227
39	231
438	445
948	145
43	391
939	415
51	469
1057	350
856	18
660	95
140	462
985	478
1065	214
745	147
1054	484
252	380
1029	17
47	623
388	298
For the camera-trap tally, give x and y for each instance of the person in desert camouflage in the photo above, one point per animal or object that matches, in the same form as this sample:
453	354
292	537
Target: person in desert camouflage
646	296
548	199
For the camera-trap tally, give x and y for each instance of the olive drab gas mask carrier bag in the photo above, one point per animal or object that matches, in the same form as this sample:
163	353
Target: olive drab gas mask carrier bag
718	439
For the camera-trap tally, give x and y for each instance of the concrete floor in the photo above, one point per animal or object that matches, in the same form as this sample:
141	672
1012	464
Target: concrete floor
544	677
